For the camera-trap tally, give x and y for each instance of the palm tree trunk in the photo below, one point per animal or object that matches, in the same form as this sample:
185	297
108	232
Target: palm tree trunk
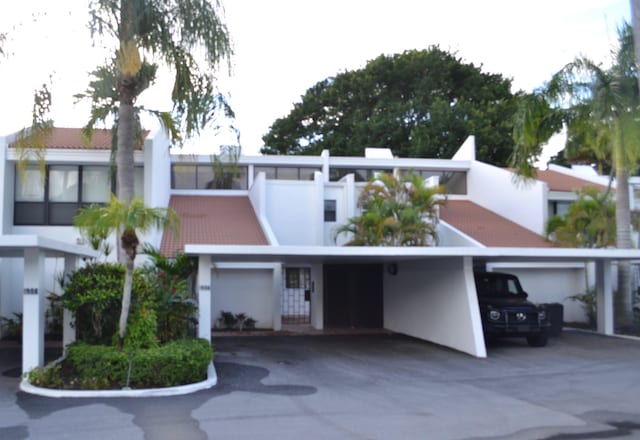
124	156
126	303
623	299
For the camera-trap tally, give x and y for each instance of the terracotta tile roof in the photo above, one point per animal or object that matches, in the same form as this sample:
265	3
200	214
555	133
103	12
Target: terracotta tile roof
223	220
72	139
561	182
489	228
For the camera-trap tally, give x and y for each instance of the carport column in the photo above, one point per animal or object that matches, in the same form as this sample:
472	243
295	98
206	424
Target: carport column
68	331
204	297
604	297
33	310
276	292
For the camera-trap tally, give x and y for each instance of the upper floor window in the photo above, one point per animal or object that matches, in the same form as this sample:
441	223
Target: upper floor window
54	199
360	174
209	176
286	173
454	182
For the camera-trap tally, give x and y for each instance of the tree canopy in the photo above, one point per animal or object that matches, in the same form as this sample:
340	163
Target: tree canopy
421	103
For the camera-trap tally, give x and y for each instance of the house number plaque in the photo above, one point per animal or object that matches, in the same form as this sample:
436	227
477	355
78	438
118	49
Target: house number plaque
30	290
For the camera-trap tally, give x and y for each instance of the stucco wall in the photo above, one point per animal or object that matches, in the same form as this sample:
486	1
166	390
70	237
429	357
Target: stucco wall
435	300
524	204
292	211
246	291
551	283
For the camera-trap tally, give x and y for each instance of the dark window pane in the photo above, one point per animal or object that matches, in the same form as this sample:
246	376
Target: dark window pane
287	173
26	213
329	210
62	214
270	172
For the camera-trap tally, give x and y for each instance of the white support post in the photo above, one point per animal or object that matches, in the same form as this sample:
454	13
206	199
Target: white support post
604	297
204	297
276	295
68	329
33	309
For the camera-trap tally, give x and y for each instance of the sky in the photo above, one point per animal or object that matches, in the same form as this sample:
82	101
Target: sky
283	47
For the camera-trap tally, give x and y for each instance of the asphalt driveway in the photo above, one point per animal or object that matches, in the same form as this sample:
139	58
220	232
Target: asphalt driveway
581	386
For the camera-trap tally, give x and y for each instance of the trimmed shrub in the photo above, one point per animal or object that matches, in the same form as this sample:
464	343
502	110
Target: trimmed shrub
94	294
177	363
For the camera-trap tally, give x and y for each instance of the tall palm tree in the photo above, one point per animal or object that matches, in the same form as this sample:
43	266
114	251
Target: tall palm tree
395	212
149	33
600	108
127	220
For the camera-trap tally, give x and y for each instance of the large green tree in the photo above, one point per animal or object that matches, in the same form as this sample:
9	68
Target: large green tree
421	103
396	211
600	108
186	36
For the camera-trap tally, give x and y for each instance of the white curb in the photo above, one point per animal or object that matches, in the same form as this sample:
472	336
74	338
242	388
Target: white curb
211	381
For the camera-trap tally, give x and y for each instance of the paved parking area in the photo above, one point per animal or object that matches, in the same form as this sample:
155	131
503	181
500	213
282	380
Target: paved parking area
581	386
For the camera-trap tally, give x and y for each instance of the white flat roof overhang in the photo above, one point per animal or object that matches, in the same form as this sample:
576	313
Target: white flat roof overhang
15	245
353	254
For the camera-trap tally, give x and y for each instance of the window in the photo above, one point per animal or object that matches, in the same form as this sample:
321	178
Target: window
56	198
190	176
96	187
359	174
330	211
286	173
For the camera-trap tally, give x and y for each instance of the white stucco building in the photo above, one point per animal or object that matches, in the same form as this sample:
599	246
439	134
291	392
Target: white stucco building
264	232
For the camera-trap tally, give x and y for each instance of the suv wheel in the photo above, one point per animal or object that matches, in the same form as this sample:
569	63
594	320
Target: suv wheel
537	340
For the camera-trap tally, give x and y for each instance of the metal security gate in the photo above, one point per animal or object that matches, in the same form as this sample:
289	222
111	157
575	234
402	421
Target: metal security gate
296	296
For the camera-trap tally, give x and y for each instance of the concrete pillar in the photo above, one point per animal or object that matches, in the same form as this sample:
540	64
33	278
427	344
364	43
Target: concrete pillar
33	309
68	331
276	295
317	297
204	297
604	297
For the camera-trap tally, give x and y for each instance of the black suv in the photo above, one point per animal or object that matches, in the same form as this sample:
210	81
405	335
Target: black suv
505	310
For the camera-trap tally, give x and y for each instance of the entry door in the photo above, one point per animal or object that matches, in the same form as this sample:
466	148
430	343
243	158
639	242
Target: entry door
353	295
296	296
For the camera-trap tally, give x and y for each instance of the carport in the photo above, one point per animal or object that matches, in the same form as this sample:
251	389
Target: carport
34	250
429	292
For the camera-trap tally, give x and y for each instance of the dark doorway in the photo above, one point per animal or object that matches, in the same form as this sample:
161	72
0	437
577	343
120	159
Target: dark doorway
353	295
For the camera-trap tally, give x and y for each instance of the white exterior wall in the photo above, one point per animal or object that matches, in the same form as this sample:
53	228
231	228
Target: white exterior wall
246	291
493	188
550	283
336	191
157	178
450	236
294	211
435	301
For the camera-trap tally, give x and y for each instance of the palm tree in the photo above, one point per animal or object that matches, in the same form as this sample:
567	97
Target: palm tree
588	223
395	212
174	33
599	108
149	32
127	220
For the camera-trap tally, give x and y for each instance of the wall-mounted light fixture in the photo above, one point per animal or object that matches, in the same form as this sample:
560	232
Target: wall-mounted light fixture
392	268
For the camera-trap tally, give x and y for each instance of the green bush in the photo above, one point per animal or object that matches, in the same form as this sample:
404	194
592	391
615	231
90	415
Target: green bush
94	294
177	363
141	329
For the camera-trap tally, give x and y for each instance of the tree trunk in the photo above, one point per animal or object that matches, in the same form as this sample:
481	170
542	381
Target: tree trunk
635	23
623	299
124	153
126	303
